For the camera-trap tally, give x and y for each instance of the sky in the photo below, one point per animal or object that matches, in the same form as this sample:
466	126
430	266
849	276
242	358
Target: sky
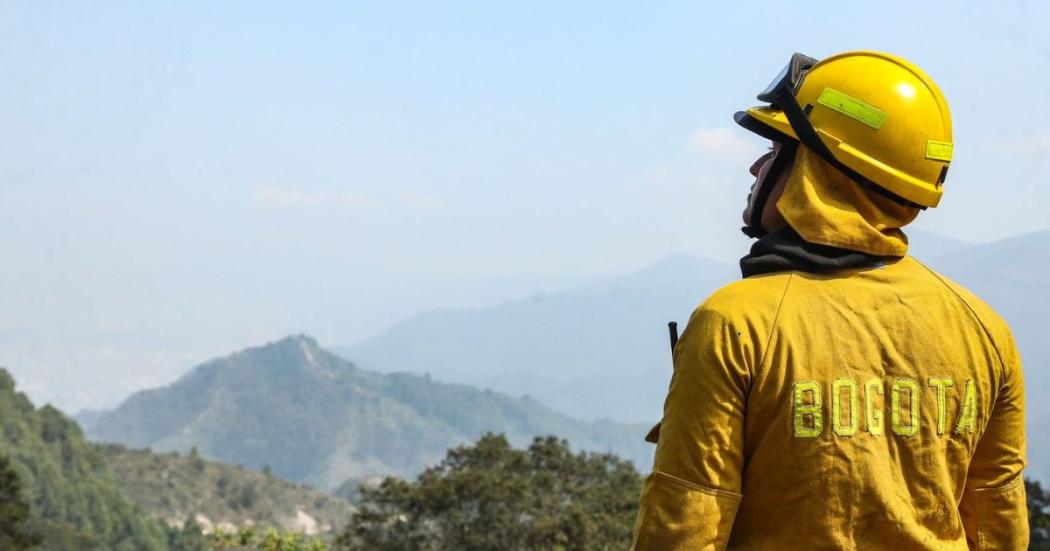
182	179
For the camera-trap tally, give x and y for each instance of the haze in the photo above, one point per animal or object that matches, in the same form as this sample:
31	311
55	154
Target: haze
180	180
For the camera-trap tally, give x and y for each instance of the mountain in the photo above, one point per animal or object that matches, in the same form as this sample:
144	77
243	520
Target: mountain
74	498
316	418
600	351
174	487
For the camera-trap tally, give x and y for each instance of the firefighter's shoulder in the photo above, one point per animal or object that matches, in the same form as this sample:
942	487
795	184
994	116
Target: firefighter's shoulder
753	296
984	316
748	305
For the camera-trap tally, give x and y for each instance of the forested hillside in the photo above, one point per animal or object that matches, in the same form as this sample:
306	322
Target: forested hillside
173	487
74	500
66	494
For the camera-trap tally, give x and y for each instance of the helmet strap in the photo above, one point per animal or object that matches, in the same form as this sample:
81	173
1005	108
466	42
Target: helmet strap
765	187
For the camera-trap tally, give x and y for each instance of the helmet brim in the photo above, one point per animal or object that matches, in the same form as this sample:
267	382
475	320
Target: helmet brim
771	124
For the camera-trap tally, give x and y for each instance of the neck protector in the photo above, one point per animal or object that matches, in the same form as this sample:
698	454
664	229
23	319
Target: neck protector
826	208
785	250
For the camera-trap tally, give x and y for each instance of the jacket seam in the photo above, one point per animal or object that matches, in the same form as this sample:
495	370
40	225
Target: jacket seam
996	490
714	492
776	321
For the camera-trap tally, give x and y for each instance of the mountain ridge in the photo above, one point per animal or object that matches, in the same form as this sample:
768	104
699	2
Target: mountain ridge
317	418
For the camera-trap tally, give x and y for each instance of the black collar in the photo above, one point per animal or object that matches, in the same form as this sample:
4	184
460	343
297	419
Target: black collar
785	250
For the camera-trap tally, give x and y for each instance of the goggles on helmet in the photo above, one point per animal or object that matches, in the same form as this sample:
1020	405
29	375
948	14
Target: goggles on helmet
780	95
789	80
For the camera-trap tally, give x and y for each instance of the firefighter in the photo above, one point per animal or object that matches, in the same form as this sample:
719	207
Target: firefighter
842	395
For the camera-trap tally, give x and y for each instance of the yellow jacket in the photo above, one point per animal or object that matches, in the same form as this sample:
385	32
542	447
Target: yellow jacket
876	408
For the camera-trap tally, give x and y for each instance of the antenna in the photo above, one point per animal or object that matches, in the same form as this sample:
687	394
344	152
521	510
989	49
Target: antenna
672	332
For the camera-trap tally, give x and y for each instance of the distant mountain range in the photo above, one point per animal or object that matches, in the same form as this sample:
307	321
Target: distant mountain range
601	351
314	417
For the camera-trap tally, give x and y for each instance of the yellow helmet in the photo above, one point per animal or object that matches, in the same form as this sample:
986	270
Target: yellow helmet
873	116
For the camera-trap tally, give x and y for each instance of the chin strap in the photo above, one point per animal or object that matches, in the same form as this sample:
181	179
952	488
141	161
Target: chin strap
764	188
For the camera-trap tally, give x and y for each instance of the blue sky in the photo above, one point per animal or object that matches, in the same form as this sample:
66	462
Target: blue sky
178	179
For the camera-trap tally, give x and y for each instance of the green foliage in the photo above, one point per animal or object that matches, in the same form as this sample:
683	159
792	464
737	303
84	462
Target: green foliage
351	489
73	499
247	497
196	461
250	539
490	496
1038	516
15	532
189	538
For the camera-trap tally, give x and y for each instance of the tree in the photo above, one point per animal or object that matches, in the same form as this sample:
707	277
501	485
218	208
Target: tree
492	496
196	460
188	538
249	539
14	512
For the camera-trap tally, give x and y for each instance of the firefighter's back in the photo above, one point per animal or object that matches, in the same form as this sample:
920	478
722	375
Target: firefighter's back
867	401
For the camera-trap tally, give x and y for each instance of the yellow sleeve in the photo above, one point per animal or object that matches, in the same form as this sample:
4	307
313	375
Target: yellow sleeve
691	498
993	507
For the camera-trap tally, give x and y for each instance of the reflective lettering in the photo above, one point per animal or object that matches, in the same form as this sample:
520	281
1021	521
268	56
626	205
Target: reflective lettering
899	428
941	385
896	402
874	416
968	411
810	410
836	407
